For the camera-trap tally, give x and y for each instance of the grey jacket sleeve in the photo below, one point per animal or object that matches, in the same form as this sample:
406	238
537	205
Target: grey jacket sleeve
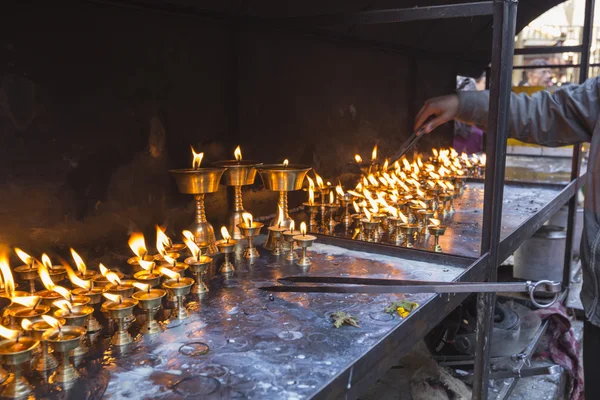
564	117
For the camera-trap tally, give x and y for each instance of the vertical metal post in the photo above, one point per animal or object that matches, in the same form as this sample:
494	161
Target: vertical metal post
505	13
576	161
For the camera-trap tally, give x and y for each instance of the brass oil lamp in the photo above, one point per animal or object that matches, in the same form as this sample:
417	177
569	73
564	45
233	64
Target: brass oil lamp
199	181
282	178
238	173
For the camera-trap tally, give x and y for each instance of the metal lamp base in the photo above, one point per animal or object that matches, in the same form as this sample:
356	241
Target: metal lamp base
121	338
46	361
199	287
151	327
16	387
205	236
251	252
227	267
64	374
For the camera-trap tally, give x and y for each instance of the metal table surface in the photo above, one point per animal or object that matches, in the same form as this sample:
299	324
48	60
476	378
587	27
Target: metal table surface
280	347
526	207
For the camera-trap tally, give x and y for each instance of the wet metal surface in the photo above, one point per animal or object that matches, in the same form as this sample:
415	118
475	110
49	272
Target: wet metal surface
539	169
463	236
242	343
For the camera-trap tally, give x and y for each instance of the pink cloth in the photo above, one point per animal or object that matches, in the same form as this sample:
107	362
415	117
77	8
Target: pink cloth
563	347
470	145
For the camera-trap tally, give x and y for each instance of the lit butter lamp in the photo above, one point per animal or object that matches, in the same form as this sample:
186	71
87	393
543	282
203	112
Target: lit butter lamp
371	226
311	207
84	288
119	309
82	270
137	244
198	265
174	266
148	275
396	221
149	300
238	173
276	232
167	243
282	178
162	250
27	272
324	190
55	292
331	208
63	339
345	199
250	229
100	280
198	182
288	237
15	351
123	288
304	241
45	361
74	316
177	287
437	230
57	272
227	247
28	307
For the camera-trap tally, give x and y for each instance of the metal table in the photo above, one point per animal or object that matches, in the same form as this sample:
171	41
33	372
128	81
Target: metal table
280	347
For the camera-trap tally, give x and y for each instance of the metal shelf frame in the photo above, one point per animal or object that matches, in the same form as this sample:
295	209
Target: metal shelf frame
355	379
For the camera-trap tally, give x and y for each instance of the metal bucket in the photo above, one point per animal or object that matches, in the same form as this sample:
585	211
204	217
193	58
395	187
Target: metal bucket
542	256
560	219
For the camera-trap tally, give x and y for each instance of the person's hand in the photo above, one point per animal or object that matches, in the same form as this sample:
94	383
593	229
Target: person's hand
440	109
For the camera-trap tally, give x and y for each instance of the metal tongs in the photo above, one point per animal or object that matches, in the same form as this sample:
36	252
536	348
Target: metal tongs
409	144
328	284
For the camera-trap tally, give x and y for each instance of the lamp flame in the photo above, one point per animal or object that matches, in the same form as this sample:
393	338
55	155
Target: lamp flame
403	217
45	276
435	153
115	298
367	214
358	158
386	163
247	217
286	162
303	228
26	258
103	270
113	278
46	261
393	211
225	233
419	162
311	196
292	226
238	153
137	244
7	277
331	198
194	249
146	265
170	260
53	322
163	238
81	267
435	222
339	190
8	333
64	305
142	286
406	164
77	281
374	153
26	301
171	274
319	181
280	216
64	292
197	158
26	324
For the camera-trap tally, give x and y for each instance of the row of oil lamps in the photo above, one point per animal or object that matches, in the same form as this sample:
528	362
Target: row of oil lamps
422	191
399	205
58	319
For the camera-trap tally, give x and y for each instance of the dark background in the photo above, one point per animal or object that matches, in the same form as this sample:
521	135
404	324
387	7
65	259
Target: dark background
98	101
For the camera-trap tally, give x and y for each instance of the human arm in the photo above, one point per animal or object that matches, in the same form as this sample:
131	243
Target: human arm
552	119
